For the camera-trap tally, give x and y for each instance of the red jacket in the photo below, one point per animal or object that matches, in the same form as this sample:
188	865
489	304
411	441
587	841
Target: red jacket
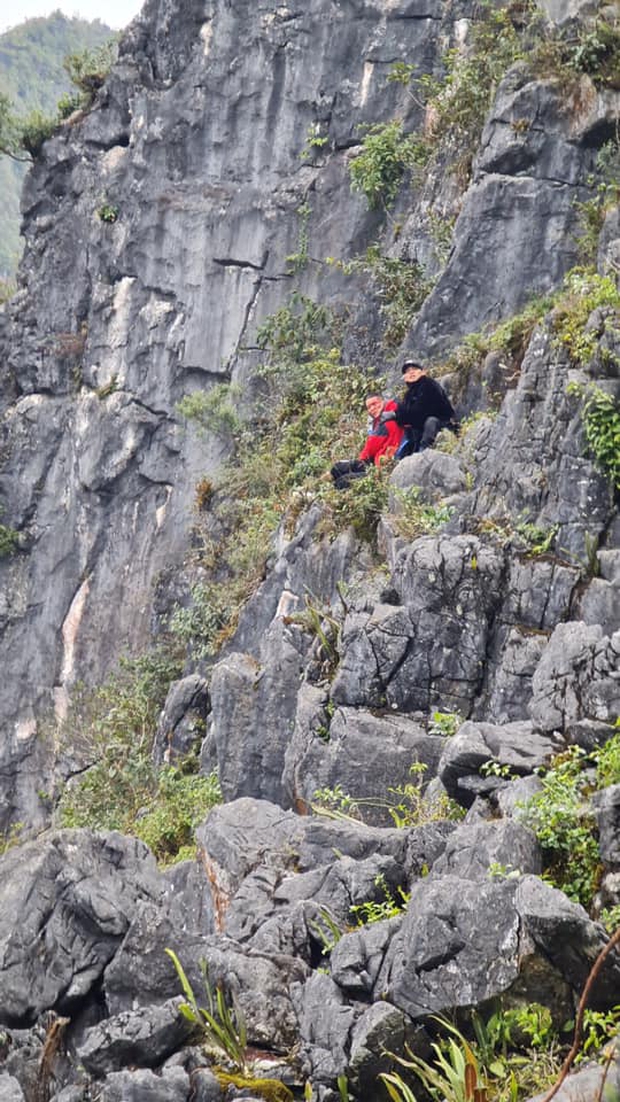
383	440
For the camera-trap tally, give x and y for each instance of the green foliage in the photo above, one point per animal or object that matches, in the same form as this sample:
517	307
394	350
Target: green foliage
607	759
8	288
445	723
514	1054
335	803
319	621
200	625
108	212
599	1028
386	153
564	824
311	405
111	730
610	917
454	1074
496	769
298	260
88	68
12	837
415	518
35	129
221	1022
315	139
583	292
9	541
179	804
376	910
401	286
32	79
592	48
593	211
326	930
460	100
212	410
538	541
409	805
360	507
601	423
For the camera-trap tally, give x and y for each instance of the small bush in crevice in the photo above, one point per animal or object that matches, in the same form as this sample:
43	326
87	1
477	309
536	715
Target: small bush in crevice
583	292
401	287
563	822
601	422
110	732
9	541
386	153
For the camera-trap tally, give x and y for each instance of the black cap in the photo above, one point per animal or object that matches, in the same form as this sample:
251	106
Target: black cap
410	363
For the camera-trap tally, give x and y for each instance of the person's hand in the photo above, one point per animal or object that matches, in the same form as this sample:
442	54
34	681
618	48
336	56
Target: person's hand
388	416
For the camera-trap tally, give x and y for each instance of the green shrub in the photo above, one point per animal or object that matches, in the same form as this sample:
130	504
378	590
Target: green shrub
415	518
607	760
213	410
87	69
34	130
108	212
386	153
200	624
180	802
376	910
564	824
9	541
401	287
111	730
460	100
592	49
601	423
583	292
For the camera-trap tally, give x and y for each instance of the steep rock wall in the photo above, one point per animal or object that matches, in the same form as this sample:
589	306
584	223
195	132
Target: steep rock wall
194	150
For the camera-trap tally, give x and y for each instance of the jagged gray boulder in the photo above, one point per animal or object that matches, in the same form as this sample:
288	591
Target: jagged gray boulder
515	746
463	942
577	678
138	1038
434	474
182	724
428	653
475	851
66	902
172	1085
326	1021
253	714
239	837
366	755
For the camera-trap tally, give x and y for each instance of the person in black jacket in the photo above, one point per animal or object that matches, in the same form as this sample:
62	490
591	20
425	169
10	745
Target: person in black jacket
424	410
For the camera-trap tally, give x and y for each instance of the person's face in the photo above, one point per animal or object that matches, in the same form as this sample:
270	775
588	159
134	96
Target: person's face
412	374
374	406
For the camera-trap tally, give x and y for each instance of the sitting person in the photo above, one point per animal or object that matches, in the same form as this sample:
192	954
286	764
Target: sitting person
383	441
423	412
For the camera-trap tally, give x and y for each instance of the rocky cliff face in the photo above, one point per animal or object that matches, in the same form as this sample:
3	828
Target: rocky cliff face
160	232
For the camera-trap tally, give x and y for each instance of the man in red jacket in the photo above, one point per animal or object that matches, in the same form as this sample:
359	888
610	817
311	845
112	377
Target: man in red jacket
382	443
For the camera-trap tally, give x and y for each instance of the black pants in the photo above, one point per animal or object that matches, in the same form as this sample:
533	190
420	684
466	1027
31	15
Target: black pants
346	471
419	439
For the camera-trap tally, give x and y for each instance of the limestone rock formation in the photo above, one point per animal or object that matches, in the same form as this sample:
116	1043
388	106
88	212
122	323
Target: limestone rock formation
383	714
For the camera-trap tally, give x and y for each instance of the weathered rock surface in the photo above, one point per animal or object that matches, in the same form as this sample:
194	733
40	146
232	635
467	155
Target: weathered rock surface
137	1038
65	906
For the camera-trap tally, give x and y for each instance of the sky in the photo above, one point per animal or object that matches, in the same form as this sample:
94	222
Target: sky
116	13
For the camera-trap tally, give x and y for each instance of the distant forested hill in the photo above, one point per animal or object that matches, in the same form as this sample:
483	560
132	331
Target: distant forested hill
32	75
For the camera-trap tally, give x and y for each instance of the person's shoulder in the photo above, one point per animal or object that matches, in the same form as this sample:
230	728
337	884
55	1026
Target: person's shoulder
390	405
